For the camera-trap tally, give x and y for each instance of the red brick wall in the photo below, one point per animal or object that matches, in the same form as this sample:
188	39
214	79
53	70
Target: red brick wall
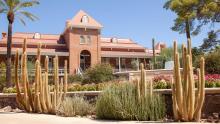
73	42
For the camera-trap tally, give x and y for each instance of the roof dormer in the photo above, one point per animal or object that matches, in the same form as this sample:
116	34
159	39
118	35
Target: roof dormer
37	36
114	40
83	20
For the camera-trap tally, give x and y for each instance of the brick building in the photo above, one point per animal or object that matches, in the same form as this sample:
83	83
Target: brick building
83	46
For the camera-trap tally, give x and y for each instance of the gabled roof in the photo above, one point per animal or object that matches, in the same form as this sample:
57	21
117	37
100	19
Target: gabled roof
76	21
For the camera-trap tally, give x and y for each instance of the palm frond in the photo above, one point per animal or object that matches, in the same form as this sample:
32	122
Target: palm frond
3	10
3	5
28	15
21	20
26	4
12	4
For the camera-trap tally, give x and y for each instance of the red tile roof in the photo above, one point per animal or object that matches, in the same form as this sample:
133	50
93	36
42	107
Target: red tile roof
33	51
54	40
125	54
48	39
120	43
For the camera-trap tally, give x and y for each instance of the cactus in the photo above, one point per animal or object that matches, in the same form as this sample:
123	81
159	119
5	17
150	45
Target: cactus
142	81
41	100
141	85
187	103
154	54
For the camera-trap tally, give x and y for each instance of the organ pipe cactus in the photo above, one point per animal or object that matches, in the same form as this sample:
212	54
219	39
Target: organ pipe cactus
141	85
154	53
41	100
187	101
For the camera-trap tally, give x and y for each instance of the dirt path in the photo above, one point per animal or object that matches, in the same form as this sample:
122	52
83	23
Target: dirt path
24	118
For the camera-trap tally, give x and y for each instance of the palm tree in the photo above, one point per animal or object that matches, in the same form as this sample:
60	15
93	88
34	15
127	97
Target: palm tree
14	8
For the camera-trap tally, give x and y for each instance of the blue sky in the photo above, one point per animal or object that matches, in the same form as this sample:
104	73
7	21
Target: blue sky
140	20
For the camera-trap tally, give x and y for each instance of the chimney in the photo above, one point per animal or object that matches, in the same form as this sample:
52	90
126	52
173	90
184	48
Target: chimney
4	34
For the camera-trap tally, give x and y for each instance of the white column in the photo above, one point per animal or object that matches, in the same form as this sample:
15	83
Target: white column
138	64
119	63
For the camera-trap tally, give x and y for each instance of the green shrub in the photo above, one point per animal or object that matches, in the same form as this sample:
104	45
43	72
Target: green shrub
74	78
9	90
212	62
162	85
119	102
209	84
217	84
73	106
2	76
88	87
98	74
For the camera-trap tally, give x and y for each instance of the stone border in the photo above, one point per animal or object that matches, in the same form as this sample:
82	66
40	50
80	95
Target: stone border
96	93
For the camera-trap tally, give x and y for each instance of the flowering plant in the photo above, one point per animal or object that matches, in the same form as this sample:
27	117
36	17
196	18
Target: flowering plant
162	82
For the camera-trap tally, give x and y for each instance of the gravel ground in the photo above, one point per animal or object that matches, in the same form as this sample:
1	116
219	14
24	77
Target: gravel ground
24	118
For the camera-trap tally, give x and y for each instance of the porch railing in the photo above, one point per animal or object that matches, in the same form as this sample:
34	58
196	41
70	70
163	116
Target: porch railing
31	72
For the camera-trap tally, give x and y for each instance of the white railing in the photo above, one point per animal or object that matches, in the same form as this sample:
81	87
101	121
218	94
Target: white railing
32	71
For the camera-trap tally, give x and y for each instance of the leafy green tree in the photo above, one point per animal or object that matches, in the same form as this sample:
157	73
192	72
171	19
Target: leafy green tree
212	62
211	42
14	8
167	55
209	11
193	14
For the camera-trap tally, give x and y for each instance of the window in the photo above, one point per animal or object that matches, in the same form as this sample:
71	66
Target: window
85	19
37	36
82	40
89	40
114	40
50	64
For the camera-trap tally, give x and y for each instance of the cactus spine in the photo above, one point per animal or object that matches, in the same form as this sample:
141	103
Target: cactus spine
41	100
185	106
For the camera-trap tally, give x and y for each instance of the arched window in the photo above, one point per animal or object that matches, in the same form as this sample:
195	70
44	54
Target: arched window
85	19
89	39
82	40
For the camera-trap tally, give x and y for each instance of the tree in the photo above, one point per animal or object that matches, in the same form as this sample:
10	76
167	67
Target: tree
211	42
193	14
14	8
209	11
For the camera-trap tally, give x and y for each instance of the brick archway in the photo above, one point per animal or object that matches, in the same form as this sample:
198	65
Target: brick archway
85	59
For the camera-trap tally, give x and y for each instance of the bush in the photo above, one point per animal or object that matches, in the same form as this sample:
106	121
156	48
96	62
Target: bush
74	78
217	84
73	106
162	82
98	74
2	76
10	90
119	102
162	85
212	62
209	84
88	87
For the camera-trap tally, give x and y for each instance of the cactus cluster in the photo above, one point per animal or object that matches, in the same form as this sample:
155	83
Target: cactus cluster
142	84
39	99
187	100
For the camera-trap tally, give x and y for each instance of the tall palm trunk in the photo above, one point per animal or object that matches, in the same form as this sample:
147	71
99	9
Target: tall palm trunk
187	29
9	42
8	67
